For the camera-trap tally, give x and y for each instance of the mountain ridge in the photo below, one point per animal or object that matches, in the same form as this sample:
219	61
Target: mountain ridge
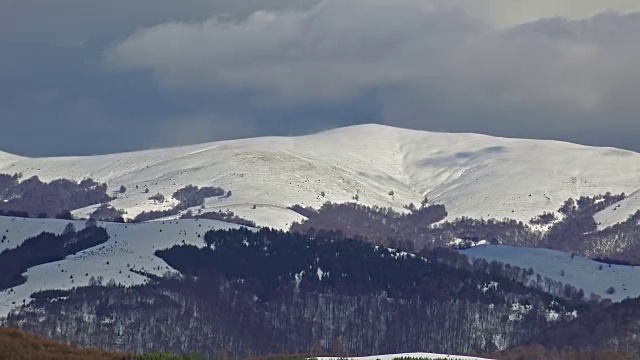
372	164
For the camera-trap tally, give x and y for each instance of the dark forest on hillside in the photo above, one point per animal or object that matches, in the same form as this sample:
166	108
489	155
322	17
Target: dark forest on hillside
269	290
33	198
423	228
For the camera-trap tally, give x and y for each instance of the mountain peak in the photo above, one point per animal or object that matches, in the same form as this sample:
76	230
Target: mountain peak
473	175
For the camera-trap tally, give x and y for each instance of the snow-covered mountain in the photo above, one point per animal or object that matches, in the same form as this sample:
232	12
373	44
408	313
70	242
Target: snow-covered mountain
473	175
586	274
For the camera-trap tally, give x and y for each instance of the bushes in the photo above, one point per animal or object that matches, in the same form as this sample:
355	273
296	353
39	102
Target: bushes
157	197
15	344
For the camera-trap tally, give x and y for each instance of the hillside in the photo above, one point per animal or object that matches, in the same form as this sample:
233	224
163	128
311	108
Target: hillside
589	275
264	292
472	175
618	212
130	246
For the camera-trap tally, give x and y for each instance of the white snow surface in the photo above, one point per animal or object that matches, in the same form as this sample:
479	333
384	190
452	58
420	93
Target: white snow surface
582	273
618	212
129	246
473	175
17	230
408	355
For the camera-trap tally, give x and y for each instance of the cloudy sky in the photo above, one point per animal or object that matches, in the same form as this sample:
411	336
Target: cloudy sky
86	76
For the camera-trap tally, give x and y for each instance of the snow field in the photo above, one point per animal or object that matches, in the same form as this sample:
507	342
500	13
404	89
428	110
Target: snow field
472	175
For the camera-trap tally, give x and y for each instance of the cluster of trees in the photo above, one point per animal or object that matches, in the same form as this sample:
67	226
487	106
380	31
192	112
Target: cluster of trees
379	225
568	234
545	218
155	214
226	216
191	195
107	212
45	248
33	198
612	327
270	259
157	197
618	242
188	196
48	295
421	228
411	231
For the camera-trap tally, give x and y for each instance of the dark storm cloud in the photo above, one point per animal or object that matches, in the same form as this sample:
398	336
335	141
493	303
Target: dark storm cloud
132	75
56	98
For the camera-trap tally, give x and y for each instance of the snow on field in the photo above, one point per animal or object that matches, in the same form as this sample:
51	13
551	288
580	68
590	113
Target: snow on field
591	276
618	212
129	246
409	355
13	231
473	175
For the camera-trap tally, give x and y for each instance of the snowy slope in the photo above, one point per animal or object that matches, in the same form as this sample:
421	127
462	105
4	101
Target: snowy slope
129	246
473	175
16	230
618	212
580	272
409	355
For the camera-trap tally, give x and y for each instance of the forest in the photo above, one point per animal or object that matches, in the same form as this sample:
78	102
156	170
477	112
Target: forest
253	293
261	292
424	228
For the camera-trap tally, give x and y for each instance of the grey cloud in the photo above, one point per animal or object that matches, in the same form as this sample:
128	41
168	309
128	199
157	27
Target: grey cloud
329	52
200	128
56	98
505	13
86	77
429	67
333	52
